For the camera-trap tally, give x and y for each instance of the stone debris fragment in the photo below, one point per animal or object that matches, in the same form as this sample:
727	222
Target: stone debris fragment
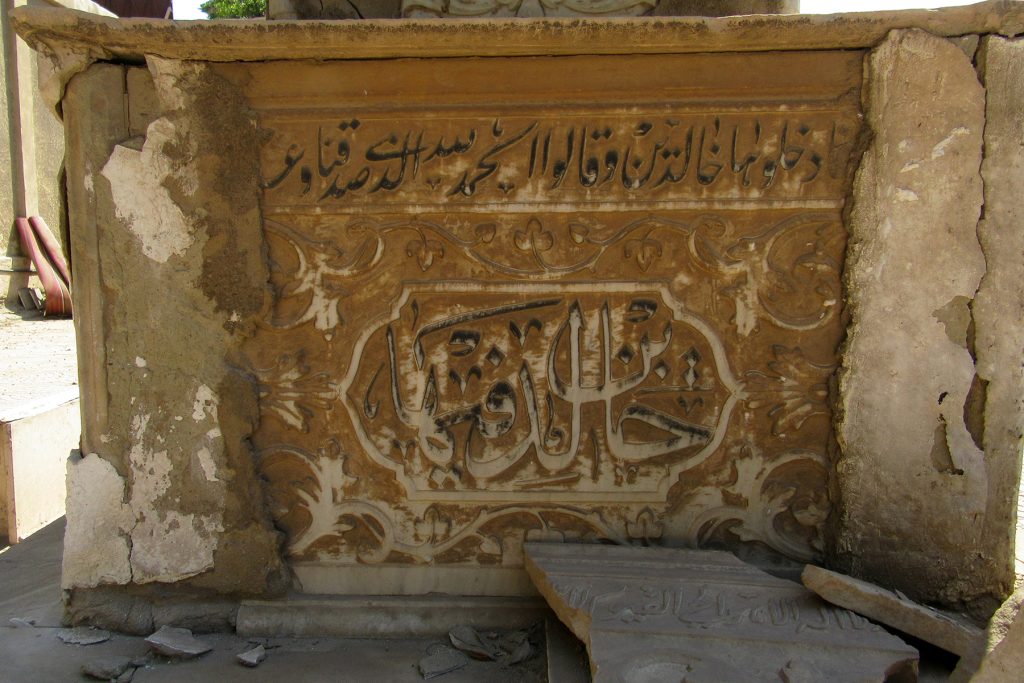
253	657
108	668
441	660
18	622
83	635
467	639
178	643
895	610
508	648
660	614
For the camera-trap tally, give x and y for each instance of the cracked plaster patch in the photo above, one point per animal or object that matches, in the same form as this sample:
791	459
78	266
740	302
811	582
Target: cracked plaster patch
169	545
96	549
138	183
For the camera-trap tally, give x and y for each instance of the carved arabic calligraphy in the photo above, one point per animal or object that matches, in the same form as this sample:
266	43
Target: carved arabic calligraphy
365	160
710	606
470	393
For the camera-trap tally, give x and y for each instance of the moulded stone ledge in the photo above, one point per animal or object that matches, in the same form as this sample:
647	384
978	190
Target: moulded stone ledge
260	40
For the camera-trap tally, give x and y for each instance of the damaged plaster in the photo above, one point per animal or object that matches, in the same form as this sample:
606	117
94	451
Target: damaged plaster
914	482
141	198
172	458
96	547
999	305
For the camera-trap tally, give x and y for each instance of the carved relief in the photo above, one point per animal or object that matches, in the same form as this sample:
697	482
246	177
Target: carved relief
490	326
787	274
355	160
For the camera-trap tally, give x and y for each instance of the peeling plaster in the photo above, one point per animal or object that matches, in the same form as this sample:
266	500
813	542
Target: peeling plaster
96	547
205	404
138	183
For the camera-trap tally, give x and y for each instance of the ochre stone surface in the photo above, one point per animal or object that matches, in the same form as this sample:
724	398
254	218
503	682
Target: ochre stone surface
494	317
913	477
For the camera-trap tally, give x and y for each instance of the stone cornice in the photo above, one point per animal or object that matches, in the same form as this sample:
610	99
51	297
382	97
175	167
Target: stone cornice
61	30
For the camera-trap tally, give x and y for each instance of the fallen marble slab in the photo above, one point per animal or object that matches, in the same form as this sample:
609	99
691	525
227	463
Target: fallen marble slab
178	643
884	606
658	614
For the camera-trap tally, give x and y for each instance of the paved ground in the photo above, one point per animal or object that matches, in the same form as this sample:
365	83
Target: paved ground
37	358
29	589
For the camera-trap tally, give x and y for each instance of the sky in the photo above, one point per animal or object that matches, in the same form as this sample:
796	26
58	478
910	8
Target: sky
189	9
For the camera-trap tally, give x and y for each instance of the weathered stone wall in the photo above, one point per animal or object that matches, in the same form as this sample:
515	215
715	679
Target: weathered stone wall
930	455
165	490
212	371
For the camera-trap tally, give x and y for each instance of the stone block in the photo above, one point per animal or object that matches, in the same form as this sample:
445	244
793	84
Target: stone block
501	320
998	307
384	616
913	476
660	614
32	465
952	634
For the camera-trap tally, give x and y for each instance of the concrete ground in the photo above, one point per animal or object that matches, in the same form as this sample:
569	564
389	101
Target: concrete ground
37	357
30	590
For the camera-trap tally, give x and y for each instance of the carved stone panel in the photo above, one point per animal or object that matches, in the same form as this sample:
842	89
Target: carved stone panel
548	298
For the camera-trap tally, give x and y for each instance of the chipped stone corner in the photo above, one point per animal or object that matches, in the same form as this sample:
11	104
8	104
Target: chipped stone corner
58	66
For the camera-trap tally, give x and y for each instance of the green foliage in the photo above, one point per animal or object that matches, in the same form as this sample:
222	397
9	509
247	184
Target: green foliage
234	9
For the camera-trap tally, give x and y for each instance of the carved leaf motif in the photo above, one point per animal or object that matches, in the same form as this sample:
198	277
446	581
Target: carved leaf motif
534	238
490	546
291	392
645	250
578	232
485	232
754	504
424	250
794	389
646	526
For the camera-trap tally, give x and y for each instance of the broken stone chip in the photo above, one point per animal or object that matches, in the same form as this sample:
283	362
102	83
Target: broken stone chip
467	639
508	648
441	660
895	610
83	635
107	668
178	643
253	657
659	614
